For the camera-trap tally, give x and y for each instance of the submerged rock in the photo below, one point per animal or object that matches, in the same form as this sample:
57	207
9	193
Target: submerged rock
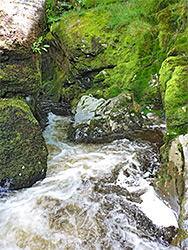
97	119
23	153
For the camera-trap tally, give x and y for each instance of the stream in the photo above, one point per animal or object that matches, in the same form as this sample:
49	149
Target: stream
95	197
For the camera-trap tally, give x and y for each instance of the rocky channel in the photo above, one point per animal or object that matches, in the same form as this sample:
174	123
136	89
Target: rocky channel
110	75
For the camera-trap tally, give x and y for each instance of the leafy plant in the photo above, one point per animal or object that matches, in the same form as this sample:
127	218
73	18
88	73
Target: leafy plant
38	46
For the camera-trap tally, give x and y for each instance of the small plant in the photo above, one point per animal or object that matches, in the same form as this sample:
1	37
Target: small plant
38	46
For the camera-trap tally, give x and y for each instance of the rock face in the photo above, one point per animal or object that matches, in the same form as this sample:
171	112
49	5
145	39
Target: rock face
23	154
173	187
97	119
172	183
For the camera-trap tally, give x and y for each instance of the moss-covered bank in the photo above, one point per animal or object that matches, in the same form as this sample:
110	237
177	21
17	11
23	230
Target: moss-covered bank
20	74
105	49
111	47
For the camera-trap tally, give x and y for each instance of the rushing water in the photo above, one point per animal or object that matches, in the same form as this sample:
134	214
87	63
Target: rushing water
95	196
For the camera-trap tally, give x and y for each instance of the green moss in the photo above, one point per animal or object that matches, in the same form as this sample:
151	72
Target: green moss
128	41
20	75
94	3
23	154
175	100
167	70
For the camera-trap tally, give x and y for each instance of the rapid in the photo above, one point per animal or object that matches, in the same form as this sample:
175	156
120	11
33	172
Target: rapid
94	197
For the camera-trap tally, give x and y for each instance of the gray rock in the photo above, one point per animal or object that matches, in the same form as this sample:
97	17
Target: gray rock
181	163
97	119
86	108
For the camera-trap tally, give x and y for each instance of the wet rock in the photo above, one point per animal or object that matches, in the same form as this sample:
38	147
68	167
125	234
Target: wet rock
171	183
181	163
96	120
23	153
45	107
85	110
104	191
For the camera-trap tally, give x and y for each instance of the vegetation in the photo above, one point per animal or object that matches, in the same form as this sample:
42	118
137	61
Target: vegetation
109	47
23	154
129	37
38	46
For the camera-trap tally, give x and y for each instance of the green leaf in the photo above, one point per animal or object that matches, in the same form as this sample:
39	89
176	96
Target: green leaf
45	49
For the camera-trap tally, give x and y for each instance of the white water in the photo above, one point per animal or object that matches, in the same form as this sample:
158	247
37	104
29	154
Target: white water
88	200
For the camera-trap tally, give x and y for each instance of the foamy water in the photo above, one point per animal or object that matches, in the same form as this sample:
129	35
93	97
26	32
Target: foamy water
95	196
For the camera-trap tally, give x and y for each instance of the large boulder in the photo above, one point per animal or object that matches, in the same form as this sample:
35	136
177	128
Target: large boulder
23	154
174	90
21	22
97	119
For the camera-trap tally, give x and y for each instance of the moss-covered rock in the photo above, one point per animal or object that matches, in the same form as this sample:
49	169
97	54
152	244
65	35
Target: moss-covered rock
20	74
21	27
174	89
23	154
116	38
127	40
167	69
